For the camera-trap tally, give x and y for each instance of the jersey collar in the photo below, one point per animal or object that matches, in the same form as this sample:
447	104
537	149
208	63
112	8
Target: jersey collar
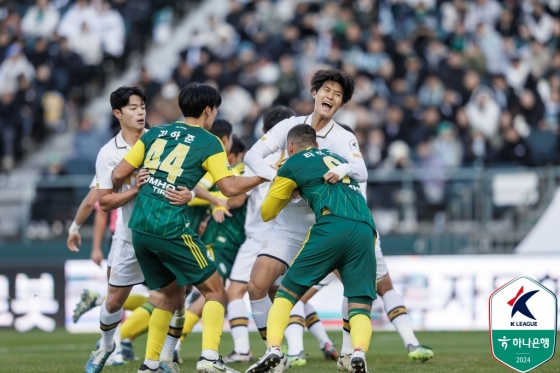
325	130
120	143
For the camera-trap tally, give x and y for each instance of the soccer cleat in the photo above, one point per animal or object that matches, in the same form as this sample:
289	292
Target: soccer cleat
177	356
420	353
168	367
330	352
235	357
97	360
127	351
271	359
283	366
297	360
144	369
86	303
358	361
344	364
213	366
115	359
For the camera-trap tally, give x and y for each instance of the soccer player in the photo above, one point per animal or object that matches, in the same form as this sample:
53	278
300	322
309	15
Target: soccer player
257	232
330	89
343	239
394	307
168	251
128	104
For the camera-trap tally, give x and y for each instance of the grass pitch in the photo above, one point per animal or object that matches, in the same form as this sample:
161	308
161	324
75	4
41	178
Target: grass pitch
60	352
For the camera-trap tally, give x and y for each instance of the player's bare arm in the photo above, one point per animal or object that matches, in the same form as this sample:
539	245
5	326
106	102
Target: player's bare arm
235	185
108	200
84	211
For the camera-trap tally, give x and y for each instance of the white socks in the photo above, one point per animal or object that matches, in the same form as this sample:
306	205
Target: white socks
347	346
294	331
108	323
173	335
260	309
237	314
397	314
315	326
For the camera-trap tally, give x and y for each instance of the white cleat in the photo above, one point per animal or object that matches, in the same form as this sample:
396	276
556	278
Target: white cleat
344	364
213	366
271	360
358	361
283	366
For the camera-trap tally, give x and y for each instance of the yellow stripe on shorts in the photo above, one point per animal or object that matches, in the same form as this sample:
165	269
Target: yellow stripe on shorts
302	246
194	250
199	253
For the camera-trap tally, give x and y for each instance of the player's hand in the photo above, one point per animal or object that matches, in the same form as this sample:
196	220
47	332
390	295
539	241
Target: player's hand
96	255
219	214
142	177
180	196
331	177
296	194
72	240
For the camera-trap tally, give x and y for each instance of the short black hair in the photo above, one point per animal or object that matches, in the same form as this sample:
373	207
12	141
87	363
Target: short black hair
347	128
344	79
221	128
275	115
195	97
238	146
121	96
302	134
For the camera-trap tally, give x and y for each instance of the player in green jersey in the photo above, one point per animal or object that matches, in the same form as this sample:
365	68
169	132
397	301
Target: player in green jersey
343	239
170	254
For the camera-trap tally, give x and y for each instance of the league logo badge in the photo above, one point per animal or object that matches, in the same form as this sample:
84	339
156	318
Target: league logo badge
523	324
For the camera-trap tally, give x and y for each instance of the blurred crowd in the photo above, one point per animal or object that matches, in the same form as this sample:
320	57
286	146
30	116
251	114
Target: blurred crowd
439	84
55	55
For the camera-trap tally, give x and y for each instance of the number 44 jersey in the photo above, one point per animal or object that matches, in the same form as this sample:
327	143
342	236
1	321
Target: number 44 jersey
176	155
305	171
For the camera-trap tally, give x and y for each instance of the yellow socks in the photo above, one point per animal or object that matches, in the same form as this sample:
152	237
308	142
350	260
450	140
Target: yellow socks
137	323
190	321
212	325
134	301
360	328
279	317
159	326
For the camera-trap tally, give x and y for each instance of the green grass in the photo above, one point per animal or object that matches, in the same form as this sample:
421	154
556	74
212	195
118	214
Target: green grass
61	352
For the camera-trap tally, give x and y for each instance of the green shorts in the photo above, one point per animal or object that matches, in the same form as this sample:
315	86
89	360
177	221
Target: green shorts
224	256
336	243
164	260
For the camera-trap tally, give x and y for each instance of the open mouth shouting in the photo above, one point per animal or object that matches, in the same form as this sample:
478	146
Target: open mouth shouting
327	106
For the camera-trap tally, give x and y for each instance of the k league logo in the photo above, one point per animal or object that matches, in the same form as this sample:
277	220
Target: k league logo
523	324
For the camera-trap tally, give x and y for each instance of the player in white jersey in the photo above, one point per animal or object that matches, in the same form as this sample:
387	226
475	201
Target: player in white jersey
331	89
128	104
257	231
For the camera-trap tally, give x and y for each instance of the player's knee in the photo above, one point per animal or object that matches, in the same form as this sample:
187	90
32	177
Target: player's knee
236	290
113	304
384	285
256	290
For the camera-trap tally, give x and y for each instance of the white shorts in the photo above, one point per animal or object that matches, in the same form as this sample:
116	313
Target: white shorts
125	270
283	245
112	249
380	272
245	259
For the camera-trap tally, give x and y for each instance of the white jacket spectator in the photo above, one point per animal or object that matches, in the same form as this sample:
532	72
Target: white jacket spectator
75	17
516	74
111	27
14	65
40	20
487	12
483	112
87	44
540	24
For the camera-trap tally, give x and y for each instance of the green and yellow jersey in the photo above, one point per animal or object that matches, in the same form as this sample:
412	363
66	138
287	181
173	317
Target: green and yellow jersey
305	171
176	154
231	233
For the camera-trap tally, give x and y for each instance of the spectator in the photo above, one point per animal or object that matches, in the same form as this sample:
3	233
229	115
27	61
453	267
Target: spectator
40	20
483	112
485	12
89	139
72	23
14	65
112	31
540	23
515	149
